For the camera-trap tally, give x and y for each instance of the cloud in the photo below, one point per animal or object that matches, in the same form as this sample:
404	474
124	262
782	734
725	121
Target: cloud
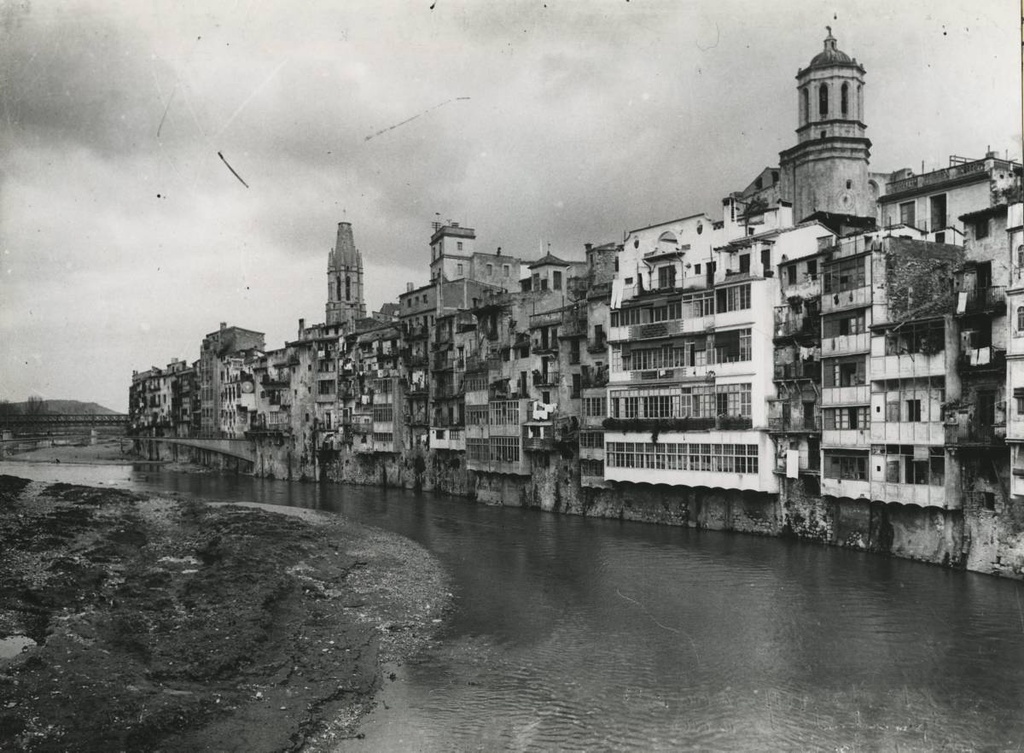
124	238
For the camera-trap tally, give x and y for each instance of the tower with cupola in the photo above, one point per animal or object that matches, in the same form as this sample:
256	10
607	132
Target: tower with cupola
827	170
345	280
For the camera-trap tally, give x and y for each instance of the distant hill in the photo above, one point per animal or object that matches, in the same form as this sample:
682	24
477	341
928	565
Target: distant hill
67	406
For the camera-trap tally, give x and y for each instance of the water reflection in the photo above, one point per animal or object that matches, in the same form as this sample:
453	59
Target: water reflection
578	634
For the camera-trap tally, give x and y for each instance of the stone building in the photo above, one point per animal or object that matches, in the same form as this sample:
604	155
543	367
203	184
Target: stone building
345	304
216	346
827	170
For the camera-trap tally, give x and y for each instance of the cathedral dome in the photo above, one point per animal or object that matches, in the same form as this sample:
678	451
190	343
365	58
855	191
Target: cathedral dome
831	55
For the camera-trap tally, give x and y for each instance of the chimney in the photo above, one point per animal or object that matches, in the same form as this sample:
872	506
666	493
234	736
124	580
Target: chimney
588	246
302	326
408	287
223	325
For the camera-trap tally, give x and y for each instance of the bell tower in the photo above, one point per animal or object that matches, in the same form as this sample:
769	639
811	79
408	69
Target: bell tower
827	170
345	280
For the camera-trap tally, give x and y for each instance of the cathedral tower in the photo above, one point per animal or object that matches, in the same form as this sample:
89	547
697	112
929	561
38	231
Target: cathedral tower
345	280
827	170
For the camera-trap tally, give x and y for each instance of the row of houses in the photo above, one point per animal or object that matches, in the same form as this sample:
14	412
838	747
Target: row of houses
840	351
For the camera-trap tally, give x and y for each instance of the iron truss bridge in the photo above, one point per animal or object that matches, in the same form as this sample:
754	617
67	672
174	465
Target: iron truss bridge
63	423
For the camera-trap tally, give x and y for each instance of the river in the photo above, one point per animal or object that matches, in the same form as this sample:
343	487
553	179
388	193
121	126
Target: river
579	634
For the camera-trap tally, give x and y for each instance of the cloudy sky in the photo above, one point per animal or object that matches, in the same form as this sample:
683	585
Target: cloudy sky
124	238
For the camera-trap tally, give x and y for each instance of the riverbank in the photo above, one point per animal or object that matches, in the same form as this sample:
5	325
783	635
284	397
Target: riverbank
161	623
105	452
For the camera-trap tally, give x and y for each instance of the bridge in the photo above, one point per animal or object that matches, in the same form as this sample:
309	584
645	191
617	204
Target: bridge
63	423
240	451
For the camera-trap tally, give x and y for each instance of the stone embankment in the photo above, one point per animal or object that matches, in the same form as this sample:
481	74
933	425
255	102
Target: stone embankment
136	622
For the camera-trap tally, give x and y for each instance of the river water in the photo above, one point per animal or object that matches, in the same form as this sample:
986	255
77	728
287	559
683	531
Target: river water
580	634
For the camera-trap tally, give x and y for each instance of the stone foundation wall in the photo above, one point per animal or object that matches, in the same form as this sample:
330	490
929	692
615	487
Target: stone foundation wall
980	540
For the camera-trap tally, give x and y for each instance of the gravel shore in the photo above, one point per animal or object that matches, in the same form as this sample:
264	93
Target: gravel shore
137	622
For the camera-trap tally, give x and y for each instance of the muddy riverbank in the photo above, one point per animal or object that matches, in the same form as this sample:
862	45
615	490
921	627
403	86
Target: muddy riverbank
141	622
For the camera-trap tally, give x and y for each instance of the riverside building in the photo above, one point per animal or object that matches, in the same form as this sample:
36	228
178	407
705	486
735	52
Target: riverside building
835	356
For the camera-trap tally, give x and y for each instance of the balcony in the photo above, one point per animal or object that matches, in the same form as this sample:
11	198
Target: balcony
846	344
978	360
966	433
574	327
546	348
594	378
853	395
908	366
798	370
990	300
923	495
916	182
791	325
846	299
549	378
849	438
850	488
447	438
598	346
689	423
931	433
794	424
539	444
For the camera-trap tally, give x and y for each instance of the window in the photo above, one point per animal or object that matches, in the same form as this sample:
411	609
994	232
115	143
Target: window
823	100
856	417
458	245
937	205
744	264
696	269
556	280
791	274
1020	321
840	325
1018	399
844	372
720	458
732	299
595	407
981	228
847	274
505	269
458	269
844	101
667	277
805	106
908	214
490	269
846	467
913	410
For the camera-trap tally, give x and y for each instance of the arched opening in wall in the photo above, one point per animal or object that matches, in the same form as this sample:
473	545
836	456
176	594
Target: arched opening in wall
860	102
348	288
844	100
805	106
337	288
823	100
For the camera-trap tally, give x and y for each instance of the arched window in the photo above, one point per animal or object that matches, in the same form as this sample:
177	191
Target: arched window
823	100
805	106
1020	256
844	100
1020	320
337	288
348	288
